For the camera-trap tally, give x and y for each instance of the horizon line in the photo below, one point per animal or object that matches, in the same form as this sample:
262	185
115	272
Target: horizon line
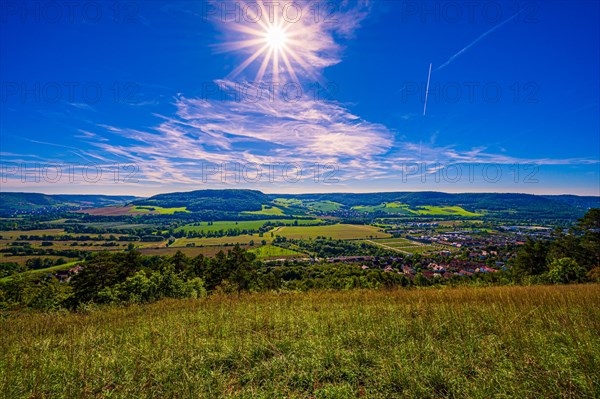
305	193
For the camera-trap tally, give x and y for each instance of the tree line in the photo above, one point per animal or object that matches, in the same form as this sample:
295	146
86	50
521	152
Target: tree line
571	255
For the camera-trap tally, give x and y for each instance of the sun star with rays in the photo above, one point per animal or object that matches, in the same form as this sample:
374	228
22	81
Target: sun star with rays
276	38
274	42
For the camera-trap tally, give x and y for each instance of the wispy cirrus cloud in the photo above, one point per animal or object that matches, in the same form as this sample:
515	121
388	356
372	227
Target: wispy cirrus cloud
312	128
268	132
275	132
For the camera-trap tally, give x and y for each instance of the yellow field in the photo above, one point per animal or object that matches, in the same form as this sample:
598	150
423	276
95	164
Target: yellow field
336	232
242	239
14	234
190	251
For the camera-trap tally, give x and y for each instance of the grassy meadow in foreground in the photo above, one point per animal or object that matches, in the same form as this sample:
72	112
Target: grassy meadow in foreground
539	341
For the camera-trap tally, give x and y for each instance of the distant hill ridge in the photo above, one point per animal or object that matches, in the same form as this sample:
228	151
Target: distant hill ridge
243	200
11	202
221	200
569	206
422	198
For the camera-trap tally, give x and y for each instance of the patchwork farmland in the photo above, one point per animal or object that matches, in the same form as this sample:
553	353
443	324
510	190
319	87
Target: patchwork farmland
409	247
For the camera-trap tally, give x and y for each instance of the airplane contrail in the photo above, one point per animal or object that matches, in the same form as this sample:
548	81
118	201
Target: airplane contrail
427	90
445	64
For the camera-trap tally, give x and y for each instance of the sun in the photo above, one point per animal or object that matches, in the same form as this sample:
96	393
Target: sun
275	46
276	38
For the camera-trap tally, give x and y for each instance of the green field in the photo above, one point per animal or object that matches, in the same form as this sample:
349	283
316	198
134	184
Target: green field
336	232
118	225
318	206
157	209
244	224
501	342
273	251
388	207
399	208
287	202
323	206
267	210
445	211
42	272
408	246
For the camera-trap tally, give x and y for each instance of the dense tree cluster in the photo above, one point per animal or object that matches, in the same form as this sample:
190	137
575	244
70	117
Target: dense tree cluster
572	256
25	249
322	247
218	200
129	277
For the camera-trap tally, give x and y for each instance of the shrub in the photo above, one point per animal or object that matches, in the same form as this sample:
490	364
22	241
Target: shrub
49	295
563	271
195	288
594	275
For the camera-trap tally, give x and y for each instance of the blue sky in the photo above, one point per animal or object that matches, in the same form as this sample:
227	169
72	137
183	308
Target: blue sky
153	94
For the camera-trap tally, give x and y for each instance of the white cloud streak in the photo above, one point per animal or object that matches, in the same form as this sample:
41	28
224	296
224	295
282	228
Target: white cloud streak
474	42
